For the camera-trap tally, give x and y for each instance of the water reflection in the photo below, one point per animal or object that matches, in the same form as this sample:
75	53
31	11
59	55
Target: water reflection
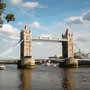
46	81
68	82
25	78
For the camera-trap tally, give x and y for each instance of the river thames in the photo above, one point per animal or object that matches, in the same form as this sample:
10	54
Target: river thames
45	78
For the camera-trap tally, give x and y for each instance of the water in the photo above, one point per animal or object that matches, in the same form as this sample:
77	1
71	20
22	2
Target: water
44	78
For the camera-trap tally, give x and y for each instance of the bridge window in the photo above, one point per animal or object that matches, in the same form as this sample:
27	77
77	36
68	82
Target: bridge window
27	37
27	49
70	40
27	54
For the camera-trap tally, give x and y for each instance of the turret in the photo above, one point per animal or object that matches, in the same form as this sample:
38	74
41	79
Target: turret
67	47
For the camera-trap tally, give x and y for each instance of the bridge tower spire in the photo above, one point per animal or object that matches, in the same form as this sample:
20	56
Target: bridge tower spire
67	47
26	60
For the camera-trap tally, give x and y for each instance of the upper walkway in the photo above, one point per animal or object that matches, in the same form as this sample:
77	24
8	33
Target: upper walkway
48	39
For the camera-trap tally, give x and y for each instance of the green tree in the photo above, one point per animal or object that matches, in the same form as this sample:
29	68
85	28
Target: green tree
8	17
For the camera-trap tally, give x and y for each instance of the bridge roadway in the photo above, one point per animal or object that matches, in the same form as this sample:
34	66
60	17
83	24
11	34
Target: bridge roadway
48	39
43	59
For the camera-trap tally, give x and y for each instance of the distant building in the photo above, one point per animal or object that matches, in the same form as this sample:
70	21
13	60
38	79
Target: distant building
88	55
81	55
56	56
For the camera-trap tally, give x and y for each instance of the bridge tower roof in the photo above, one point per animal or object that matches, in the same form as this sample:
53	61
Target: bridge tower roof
67	31
25	28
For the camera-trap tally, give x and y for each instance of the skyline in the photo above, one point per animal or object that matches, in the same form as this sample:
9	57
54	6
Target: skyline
46	18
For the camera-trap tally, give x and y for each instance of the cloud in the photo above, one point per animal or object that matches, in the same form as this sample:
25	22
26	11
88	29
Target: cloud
31	5
20	23
74	20
16	2
9	41
8	31
86	16
82	37
84	19
82	40
13	37
34	25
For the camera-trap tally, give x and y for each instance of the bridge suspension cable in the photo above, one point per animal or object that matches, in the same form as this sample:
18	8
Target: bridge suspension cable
82	54
10	50
79	49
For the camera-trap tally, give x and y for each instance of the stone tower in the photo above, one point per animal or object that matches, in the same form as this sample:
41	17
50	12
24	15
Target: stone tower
67	51
26	43
67	46
26	60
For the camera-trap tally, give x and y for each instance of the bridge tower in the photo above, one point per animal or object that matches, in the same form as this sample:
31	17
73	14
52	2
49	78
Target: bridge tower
67	47
68	50
26	60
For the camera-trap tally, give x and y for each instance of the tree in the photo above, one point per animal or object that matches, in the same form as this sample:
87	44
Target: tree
8	17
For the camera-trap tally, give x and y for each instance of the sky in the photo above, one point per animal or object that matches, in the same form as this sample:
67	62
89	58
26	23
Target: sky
47	18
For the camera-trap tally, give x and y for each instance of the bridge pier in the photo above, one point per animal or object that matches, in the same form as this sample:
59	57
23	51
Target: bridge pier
26	62
69	63
68	51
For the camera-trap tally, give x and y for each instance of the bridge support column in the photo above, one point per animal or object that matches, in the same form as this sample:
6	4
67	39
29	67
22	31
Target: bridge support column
68	50
71	62
26	62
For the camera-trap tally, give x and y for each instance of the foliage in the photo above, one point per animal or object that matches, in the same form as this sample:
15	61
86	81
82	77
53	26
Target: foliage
8	17
2	8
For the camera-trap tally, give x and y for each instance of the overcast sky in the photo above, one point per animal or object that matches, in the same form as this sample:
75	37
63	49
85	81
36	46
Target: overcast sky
47	18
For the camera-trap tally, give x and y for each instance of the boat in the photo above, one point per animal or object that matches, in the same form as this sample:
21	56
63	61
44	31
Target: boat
2	67
47	64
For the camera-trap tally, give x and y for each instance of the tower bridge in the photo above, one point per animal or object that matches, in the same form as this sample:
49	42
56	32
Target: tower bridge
26	61
66	40
67	48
